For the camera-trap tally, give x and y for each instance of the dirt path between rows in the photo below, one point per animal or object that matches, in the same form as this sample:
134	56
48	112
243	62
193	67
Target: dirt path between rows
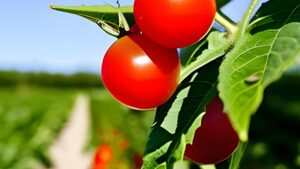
67	150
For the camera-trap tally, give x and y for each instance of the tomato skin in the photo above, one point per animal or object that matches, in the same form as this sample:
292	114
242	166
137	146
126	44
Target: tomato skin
174	23
103	155
139	73
215	140
100	166
138	160
124	144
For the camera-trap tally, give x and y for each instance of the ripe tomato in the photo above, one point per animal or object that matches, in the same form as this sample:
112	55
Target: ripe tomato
123	144
103	155
174	23
100	166
138	160
139	73
215	140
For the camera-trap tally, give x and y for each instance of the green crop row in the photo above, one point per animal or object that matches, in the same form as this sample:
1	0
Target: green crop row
125	130
78	80
31	119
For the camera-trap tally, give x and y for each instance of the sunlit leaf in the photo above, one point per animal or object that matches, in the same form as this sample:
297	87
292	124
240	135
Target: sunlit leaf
255	62
259	58
218	45
237	156
106	16
174	119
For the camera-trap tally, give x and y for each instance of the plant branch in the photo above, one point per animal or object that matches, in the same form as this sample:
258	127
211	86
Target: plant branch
245	21
229	26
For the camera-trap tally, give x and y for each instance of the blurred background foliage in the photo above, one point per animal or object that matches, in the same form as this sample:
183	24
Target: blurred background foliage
35	106
30	119
78	80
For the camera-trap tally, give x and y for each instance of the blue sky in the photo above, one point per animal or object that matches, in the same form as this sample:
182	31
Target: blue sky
36	38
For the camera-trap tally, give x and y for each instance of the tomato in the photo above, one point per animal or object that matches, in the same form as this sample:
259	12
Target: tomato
138	160
115	132
123	144
139	73
104	154
215	140
174	23
100	166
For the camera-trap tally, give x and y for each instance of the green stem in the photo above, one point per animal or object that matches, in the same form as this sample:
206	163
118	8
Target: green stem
194	52
245	21
210	166
122	20
229	26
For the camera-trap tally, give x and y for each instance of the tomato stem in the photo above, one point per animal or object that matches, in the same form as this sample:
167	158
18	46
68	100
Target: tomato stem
207	166
245	21
228	25
122	20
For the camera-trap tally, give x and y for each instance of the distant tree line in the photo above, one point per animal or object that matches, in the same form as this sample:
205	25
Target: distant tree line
78	80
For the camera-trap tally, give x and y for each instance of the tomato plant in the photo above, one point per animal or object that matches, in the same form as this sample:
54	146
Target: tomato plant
215	140
174	23
140	73
237	63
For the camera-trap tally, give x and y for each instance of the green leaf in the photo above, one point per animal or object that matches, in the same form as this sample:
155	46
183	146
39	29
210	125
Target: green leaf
209	166
174	119
182	164
237	156
161	166
255	62
189	136
149	159
218	45
274	14
106	16
189	54
221	3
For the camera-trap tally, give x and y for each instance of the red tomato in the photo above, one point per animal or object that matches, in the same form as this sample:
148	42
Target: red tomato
123	144
104	154
140	73
174	23
99	166
115	132
138	160
215	140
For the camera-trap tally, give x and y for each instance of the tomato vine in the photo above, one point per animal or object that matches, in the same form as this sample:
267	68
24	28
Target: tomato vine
236	65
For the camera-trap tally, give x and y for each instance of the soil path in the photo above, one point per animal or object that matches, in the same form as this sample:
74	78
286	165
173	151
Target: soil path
67	151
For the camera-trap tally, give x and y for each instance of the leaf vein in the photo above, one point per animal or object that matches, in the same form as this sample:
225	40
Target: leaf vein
248	62
242	91
291	14
246	51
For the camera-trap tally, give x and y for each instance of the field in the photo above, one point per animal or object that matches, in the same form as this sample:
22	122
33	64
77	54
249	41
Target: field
30	119
124	129
33	112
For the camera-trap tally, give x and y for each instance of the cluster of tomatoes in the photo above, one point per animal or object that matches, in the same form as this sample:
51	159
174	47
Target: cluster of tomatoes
104	158
115	151
142	68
